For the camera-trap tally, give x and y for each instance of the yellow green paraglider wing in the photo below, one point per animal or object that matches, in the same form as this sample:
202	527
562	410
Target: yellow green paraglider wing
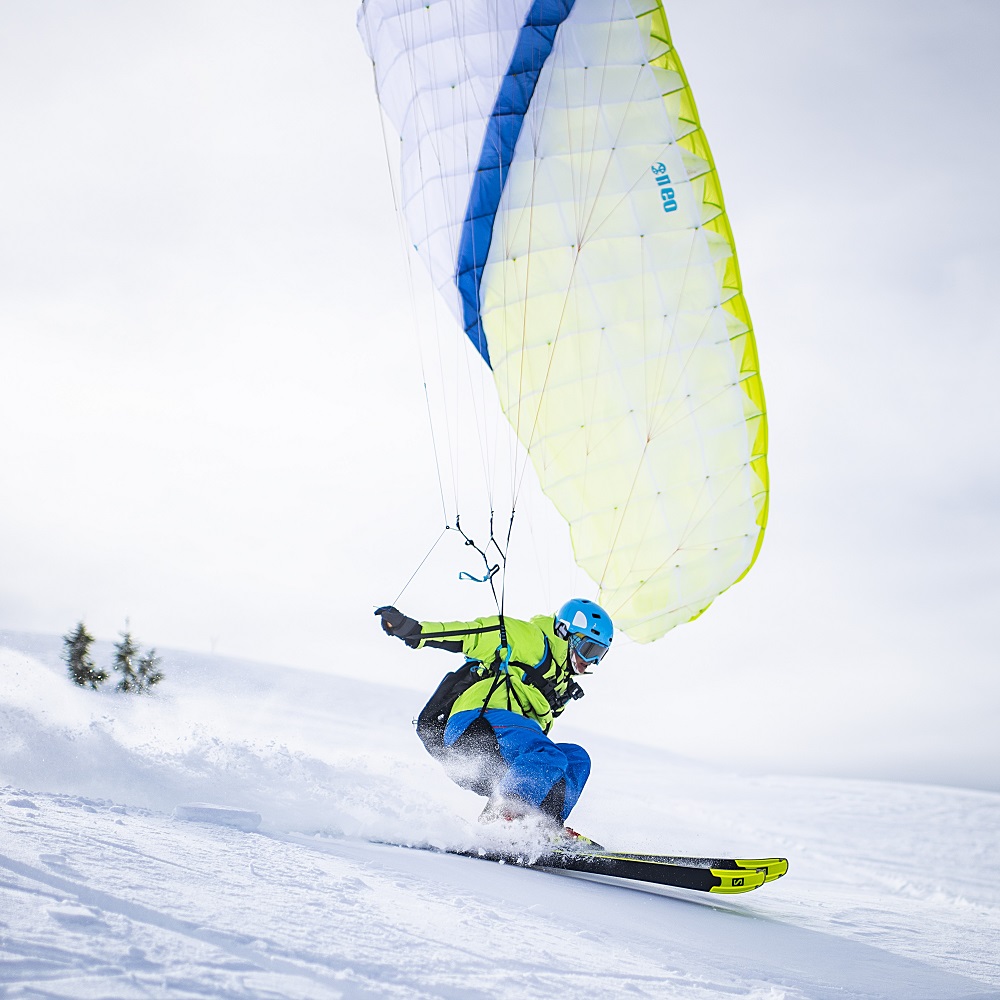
558	183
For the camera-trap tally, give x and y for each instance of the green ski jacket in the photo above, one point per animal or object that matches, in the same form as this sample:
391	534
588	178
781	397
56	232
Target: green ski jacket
539	681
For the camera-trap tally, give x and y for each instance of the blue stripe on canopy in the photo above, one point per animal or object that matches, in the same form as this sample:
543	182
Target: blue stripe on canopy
533	47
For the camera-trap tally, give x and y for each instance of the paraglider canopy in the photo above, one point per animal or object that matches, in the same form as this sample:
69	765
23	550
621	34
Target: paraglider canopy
556	182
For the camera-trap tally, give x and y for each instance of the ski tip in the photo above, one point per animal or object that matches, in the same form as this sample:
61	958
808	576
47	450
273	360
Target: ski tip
749	873
771	867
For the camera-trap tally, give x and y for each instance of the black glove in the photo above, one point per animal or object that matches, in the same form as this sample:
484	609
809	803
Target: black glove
395	623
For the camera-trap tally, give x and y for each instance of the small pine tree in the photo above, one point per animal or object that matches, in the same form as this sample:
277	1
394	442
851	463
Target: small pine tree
148	672
76	656
125	665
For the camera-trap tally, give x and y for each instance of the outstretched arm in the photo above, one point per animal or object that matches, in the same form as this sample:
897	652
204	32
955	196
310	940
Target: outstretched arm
477	639
455	637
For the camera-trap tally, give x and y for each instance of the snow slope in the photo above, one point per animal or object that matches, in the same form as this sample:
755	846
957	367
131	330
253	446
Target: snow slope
104	891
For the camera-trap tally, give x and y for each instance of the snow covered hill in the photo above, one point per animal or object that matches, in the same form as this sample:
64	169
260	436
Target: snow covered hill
106	891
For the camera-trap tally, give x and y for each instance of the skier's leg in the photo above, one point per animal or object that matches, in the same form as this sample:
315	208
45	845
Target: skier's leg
577	773
565	793
554	804
472	757
534	763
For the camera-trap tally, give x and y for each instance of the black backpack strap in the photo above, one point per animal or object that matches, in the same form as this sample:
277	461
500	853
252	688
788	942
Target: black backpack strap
557	702
535	676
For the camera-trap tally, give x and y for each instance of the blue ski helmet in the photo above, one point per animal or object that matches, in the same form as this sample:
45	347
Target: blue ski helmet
586	626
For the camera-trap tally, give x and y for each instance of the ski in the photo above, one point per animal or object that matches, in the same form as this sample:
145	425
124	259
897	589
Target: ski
719	875
647	872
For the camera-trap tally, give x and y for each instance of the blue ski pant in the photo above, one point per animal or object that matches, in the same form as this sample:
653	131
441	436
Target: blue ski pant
523	763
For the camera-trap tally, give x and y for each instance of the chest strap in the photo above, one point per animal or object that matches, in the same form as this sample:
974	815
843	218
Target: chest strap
557	702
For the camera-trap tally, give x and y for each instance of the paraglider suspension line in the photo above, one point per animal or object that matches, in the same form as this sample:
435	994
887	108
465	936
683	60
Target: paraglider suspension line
420	565
491	571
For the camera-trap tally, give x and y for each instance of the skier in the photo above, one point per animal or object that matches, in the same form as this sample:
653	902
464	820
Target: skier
487	722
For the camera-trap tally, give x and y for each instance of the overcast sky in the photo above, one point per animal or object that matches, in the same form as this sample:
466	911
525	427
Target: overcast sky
211	413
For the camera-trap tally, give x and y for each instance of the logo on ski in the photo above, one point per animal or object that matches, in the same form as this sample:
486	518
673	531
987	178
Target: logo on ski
737	881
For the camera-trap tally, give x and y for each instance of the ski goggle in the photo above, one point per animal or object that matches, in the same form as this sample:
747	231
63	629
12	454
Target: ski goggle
589	650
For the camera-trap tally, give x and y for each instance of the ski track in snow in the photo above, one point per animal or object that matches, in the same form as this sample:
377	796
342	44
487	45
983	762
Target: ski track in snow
892	890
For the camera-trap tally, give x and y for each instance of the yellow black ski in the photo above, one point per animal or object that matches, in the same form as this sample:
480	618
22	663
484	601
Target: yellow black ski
646	871
721	875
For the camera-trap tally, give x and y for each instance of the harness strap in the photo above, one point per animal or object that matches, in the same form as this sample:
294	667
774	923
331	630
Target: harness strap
459	631
546	685
537	679
497	681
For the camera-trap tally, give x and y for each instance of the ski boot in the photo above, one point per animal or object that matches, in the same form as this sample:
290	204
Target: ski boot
499	809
